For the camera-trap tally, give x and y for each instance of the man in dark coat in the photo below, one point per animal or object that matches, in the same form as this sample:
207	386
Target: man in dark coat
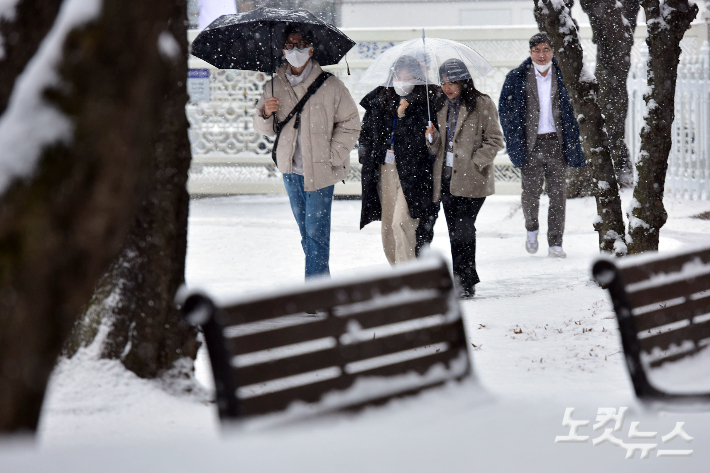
542	137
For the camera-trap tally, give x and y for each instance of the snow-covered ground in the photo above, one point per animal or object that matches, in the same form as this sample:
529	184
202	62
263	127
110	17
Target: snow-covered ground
569	341
545	337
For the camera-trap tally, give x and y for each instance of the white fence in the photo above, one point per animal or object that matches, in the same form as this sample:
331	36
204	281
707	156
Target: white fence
229	157
688	173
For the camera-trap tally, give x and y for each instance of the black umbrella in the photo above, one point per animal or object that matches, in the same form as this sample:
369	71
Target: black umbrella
253	40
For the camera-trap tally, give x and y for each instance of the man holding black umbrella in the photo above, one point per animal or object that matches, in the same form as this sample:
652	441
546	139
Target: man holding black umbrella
313	147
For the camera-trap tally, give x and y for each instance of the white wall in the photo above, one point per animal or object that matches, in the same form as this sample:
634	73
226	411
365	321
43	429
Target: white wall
421	14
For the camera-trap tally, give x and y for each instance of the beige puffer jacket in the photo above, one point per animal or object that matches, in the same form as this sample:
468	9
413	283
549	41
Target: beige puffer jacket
477	140
330	126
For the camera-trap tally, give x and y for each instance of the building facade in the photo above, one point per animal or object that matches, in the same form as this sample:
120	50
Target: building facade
428	13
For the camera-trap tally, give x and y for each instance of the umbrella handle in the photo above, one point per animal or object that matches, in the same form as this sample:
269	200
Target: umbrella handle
426	78
430	138
271	62
428	109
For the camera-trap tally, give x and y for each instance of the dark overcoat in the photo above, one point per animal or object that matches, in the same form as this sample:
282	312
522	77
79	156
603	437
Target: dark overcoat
413	161
512	111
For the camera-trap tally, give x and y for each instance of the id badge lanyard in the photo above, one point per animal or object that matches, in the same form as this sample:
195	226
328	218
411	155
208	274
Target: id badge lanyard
450	139
389	158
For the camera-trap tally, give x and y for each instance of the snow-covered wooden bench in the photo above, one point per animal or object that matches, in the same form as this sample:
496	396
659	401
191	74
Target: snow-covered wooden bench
662	303
373	337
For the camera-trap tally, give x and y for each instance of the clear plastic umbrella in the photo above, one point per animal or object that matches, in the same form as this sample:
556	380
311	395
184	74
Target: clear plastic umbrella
430	53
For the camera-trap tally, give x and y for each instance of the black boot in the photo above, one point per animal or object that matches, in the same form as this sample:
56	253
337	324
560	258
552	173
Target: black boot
467	293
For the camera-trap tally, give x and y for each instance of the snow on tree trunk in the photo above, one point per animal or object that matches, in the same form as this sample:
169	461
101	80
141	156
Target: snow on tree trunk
63	223
666	23
135	298
554	17
23	30
613	24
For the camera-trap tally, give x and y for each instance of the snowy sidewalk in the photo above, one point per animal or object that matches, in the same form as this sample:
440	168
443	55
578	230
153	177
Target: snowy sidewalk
540	324
542	329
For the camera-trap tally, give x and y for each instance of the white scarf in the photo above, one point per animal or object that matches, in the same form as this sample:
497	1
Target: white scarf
293	79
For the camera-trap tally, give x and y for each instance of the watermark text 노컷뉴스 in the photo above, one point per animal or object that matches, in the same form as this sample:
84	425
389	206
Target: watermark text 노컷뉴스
608	416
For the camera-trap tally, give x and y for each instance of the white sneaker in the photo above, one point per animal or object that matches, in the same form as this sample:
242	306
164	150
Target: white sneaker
556	252
531	242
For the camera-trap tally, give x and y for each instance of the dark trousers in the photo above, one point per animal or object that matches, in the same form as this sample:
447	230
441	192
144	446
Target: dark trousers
545	163
461	214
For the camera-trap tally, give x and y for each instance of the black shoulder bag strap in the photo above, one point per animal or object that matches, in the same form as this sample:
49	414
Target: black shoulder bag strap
297	110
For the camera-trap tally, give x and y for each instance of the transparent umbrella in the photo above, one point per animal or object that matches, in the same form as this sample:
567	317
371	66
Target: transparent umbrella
430	53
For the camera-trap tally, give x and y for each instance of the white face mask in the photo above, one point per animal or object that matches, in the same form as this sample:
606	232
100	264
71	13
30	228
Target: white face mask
542	67
402	88
297	57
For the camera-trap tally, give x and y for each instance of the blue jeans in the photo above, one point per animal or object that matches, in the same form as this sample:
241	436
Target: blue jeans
312	213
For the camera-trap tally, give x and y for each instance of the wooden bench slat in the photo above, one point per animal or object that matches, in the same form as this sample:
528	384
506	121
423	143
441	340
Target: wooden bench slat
658	362
293	365
344	354
280	400
331	296
667	315
451	332
669	291
640	272
418	365
285	336
334	326
663	340
393	314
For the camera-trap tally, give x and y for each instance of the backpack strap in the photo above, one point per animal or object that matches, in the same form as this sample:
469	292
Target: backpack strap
297	110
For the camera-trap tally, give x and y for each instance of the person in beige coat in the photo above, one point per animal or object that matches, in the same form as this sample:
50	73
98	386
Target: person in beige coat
465	144
313	151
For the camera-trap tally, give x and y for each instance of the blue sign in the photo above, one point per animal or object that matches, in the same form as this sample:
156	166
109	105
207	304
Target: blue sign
198	85
198	74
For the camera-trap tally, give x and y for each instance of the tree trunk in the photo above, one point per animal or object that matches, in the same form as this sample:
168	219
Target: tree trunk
135	299
61	228
556	20
613	24
579	183
666	27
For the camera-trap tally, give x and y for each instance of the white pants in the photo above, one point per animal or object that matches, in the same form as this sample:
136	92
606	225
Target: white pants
399	236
